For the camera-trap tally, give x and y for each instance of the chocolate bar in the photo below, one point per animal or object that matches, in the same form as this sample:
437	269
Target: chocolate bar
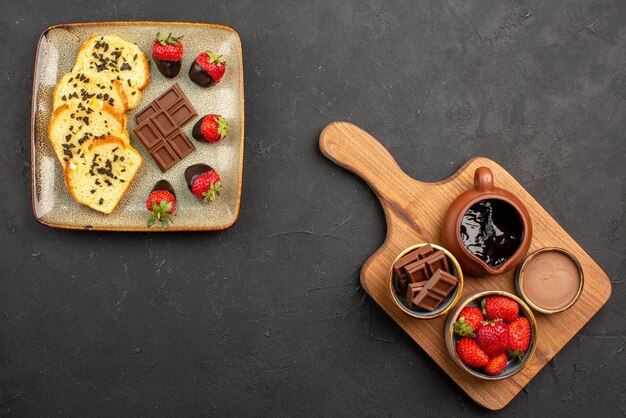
159	127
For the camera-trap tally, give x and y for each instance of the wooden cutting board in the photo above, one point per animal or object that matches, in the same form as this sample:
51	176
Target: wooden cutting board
414	212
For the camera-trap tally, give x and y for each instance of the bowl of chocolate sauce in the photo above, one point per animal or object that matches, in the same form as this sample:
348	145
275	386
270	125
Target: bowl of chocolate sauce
487	228
550	280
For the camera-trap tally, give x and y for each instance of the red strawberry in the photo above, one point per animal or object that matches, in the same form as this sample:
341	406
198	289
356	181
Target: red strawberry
500	307
493	337
203	181
161	203
167	52
208	68
496	364
470	319
470	353
519	337
210	128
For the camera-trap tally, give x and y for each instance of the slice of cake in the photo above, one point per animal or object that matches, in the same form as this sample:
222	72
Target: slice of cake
82	87
118	60
73	125
102	177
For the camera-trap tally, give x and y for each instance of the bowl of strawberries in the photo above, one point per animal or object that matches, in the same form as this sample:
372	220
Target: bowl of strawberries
491	334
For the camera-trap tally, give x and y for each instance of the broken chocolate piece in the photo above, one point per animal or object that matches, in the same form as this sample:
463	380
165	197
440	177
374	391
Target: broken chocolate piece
402	285
427	300
418	272
437	261
443	283
432	292
411	257
411	292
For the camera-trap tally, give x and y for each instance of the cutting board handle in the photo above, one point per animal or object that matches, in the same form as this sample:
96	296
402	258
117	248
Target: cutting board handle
352	148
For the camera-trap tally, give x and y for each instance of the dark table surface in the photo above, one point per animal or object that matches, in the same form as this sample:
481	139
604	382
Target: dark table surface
268	318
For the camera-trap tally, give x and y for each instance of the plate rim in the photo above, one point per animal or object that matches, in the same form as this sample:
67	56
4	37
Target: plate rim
35	95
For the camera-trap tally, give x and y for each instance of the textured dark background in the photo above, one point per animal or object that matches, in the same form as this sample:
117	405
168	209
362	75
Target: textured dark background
268	318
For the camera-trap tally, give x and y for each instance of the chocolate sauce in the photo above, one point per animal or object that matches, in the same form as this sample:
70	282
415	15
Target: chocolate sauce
164	185
198	75
196	132
492	230
194	171
169	68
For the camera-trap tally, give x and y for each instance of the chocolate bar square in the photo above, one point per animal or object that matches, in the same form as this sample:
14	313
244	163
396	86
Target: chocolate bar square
164	123
164	156
182	113
170	97
180	144
148	135
145	113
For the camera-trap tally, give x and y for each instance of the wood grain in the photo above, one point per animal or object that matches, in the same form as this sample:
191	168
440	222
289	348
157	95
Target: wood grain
414	212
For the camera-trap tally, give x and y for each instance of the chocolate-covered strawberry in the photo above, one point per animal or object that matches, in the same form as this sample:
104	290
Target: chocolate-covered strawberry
161	203
203	181
207	69
167	53
210	128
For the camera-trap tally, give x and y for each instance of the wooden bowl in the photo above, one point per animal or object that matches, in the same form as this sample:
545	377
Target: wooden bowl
450	300
513	366
451	229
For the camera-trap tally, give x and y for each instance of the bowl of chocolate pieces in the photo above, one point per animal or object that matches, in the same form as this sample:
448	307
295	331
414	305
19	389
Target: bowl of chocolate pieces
425	281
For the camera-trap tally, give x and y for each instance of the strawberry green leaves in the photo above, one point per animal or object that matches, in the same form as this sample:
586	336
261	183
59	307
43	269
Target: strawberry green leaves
160	213
212	193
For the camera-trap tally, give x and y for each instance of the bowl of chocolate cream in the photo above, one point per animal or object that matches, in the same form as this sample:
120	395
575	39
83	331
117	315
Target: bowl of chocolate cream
487	228
550	280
